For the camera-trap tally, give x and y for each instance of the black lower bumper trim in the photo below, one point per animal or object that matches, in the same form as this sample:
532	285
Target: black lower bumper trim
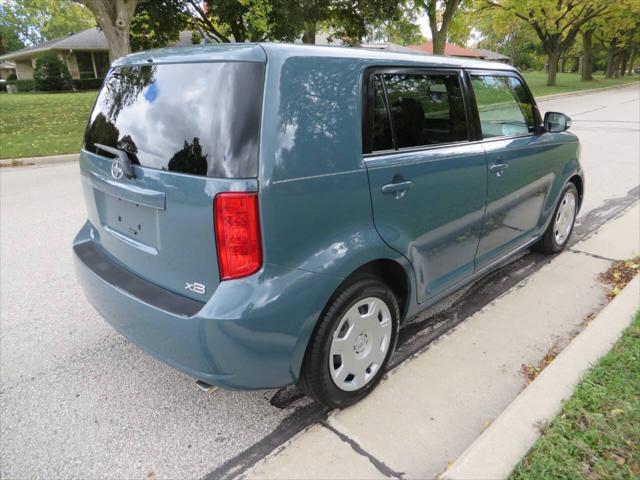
140	288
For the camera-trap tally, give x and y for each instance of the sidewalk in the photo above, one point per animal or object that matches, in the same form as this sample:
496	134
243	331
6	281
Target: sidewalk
429	410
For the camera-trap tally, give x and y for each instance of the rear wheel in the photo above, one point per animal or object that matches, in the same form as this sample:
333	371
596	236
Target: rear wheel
557	234
352	344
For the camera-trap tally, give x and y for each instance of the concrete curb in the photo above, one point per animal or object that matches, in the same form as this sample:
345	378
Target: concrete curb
498	450
28	161
553	96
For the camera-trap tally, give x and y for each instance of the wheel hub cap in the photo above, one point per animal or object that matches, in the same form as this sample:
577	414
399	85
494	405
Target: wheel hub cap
360	343
564	218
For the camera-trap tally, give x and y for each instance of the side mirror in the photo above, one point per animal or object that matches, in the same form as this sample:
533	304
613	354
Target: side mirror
555	122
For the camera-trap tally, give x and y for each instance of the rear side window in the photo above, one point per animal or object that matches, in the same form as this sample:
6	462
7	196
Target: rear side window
504	106
426	109
200	118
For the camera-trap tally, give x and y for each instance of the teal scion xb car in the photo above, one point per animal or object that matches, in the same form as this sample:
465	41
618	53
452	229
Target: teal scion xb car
268	214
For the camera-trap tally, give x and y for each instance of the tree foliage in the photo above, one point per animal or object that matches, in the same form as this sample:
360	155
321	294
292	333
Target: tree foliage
556	22
34	21
156	24
404	30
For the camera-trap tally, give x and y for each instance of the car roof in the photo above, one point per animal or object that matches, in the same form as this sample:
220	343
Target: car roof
259	52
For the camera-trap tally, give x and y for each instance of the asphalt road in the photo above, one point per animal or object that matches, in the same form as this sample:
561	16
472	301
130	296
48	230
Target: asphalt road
78	400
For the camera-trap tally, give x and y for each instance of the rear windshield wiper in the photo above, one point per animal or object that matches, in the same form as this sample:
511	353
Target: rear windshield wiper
125	161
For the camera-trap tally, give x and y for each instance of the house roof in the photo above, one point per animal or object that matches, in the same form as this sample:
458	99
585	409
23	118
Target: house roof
490	55
90	39
388	47
450	50
7	66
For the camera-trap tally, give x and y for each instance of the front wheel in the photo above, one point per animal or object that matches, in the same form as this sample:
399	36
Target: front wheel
352	344
557	234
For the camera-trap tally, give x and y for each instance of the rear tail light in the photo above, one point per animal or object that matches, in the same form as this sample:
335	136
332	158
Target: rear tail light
237	225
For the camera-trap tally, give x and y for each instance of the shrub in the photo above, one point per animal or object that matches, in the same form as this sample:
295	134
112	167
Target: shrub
51	74
23	85
87	83
12	76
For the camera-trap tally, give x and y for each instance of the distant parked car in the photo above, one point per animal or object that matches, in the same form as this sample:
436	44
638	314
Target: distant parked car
267	214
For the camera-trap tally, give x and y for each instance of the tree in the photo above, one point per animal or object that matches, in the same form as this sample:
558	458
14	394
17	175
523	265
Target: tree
618	32
35	21
442	10
114	19
157	23
556	22
517	40
404	30
9	40
260	20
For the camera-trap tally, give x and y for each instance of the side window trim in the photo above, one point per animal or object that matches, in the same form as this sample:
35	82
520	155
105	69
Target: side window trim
394	139
468	73
367	116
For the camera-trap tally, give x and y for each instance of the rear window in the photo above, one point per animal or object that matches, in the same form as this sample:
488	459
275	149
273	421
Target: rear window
200	118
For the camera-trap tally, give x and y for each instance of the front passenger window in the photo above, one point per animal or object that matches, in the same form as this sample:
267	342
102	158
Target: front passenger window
503	105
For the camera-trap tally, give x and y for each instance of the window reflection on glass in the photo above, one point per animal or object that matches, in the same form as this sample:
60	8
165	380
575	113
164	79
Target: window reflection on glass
426	109
504	107
200	119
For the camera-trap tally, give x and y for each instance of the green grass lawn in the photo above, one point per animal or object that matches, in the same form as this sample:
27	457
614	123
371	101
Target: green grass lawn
570	82
597	434
35	124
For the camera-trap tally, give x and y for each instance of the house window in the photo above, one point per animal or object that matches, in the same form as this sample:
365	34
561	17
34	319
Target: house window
102	63
85	64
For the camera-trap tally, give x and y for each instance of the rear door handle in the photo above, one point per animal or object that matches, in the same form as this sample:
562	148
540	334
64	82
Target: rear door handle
396	187
498	168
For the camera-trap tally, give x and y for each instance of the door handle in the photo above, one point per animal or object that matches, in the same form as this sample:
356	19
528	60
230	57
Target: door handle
396	187
498	168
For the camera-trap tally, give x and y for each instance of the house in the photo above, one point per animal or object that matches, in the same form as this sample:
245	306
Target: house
6	69
451	50
86	55
493	56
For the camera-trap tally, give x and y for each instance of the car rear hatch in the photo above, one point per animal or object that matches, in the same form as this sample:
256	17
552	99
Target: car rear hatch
189	131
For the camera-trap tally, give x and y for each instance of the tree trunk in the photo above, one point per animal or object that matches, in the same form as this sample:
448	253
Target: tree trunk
562	62
623	63
587	56
576	64
309	34
553	69
439	42
632	57
608	69
114	19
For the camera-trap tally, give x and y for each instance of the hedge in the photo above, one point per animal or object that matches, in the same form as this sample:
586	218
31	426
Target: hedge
23	85
87	83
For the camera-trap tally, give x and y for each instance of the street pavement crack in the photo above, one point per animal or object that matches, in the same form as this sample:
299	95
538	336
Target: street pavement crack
379	464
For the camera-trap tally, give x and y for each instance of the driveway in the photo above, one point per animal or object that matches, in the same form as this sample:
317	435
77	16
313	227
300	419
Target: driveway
77	400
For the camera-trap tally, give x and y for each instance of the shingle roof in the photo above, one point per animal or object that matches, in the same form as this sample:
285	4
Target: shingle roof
90	39
490	54
450	50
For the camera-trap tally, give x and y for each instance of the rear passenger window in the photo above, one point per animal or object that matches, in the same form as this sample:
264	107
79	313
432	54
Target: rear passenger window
426	109
504	106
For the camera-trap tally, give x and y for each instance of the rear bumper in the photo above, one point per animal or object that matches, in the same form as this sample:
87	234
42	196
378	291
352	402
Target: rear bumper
251	333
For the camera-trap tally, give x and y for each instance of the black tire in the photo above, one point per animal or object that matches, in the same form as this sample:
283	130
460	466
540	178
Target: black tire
548	243
315	377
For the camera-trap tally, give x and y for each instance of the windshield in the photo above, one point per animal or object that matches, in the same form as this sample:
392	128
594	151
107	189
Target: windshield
199	118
